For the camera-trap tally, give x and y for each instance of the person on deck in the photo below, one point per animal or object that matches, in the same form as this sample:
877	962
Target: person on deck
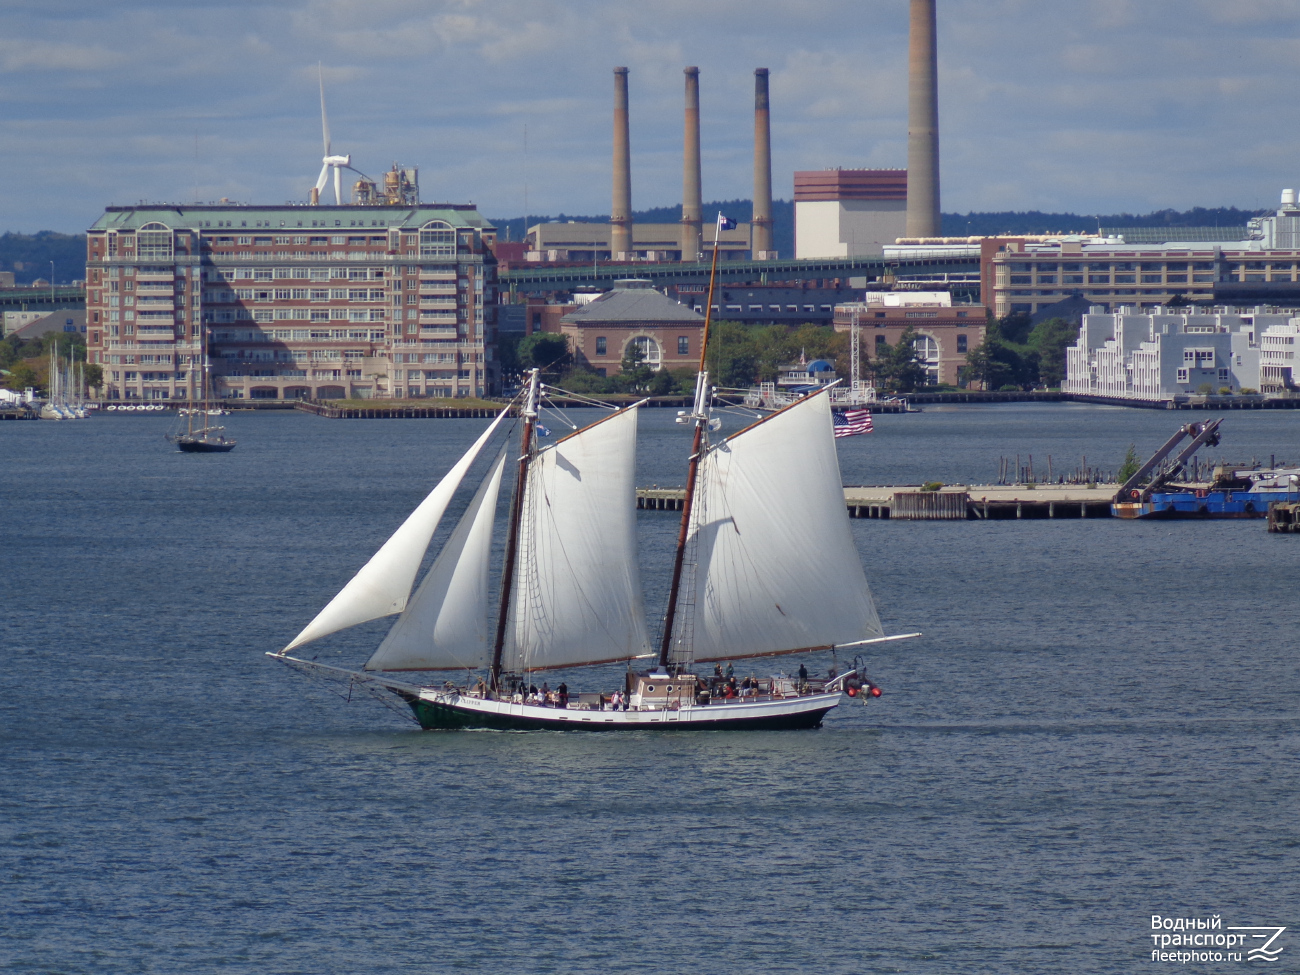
563	696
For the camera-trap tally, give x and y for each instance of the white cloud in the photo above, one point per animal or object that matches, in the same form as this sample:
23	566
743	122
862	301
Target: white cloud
1093	105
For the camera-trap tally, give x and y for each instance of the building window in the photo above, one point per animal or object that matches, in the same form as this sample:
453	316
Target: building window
1182	375
650	354
600	344
881	343
961	343
683	345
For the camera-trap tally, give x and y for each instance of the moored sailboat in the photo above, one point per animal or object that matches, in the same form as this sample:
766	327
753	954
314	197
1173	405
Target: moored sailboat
765	565
207	437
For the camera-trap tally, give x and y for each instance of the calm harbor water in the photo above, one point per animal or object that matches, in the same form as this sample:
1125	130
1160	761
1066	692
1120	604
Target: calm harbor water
1099	725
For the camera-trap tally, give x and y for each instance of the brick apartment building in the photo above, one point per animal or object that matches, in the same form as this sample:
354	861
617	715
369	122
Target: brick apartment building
325	302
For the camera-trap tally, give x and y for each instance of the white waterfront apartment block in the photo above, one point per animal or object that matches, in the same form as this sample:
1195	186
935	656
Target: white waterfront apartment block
1159	356
292	302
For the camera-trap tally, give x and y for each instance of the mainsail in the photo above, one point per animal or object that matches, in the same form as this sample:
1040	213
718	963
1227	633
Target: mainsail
445	626
776	569
577	590
383	585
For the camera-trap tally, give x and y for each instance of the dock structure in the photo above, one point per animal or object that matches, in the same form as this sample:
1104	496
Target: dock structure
994	502
391	411
1284	517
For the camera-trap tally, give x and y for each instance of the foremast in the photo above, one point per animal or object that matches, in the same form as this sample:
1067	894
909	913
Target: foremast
512	534
699	414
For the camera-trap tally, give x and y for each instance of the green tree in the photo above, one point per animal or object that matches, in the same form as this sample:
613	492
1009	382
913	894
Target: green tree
21	375
734	356
1130	465
1014	328
545	351
94	375
899	367
508	357
1049	339
633	373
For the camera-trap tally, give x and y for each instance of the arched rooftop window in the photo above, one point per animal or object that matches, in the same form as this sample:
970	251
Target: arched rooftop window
154	242
437	239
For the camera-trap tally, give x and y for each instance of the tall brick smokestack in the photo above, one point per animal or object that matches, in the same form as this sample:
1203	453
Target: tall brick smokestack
620	214
761	231
922	123
692	203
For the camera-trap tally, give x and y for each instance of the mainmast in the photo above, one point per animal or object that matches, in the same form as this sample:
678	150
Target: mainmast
516	516
699	414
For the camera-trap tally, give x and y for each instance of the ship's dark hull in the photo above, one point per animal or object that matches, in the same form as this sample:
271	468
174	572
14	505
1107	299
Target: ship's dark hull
192	446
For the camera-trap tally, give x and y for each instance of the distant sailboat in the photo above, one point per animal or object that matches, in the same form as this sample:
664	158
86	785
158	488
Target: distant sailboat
765	565
207	437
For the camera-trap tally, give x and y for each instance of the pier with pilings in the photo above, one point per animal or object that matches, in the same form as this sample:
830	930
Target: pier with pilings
974	502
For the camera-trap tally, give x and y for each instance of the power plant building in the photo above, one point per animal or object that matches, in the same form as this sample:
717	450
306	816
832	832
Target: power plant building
323	302
848	212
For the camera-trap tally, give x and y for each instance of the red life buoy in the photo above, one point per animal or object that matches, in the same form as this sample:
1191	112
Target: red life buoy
1135	494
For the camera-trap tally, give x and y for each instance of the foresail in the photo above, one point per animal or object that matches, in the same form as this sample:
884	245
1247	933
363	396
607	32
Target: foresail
383	585
776	569
577	595
445	626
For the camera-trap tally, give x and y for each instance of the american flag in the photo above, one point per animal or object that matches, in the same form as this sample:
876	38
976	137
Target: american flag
851	422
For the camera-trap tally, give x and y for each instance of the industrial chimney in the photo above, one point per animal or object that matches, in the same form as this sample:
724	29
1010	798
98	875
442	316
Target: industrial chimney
620	216
922	123
692	202
761	230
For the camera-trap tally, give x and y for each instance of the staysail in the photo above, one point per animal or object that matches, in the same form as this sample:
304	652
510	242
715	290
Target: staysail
383	585
776	569
445	625
577	593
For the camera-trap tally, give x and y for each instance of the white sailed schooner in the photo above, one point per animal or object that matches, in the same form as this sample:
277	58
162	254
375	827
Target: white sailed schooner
765	565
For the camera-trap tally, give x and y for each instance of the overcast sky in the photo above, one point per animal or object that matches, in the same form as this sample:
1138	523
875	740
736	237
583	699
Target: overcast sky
1076	105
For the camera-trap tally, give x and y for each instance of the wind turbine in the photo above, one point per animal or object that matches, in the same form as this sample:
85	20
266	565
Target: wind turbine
337	163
